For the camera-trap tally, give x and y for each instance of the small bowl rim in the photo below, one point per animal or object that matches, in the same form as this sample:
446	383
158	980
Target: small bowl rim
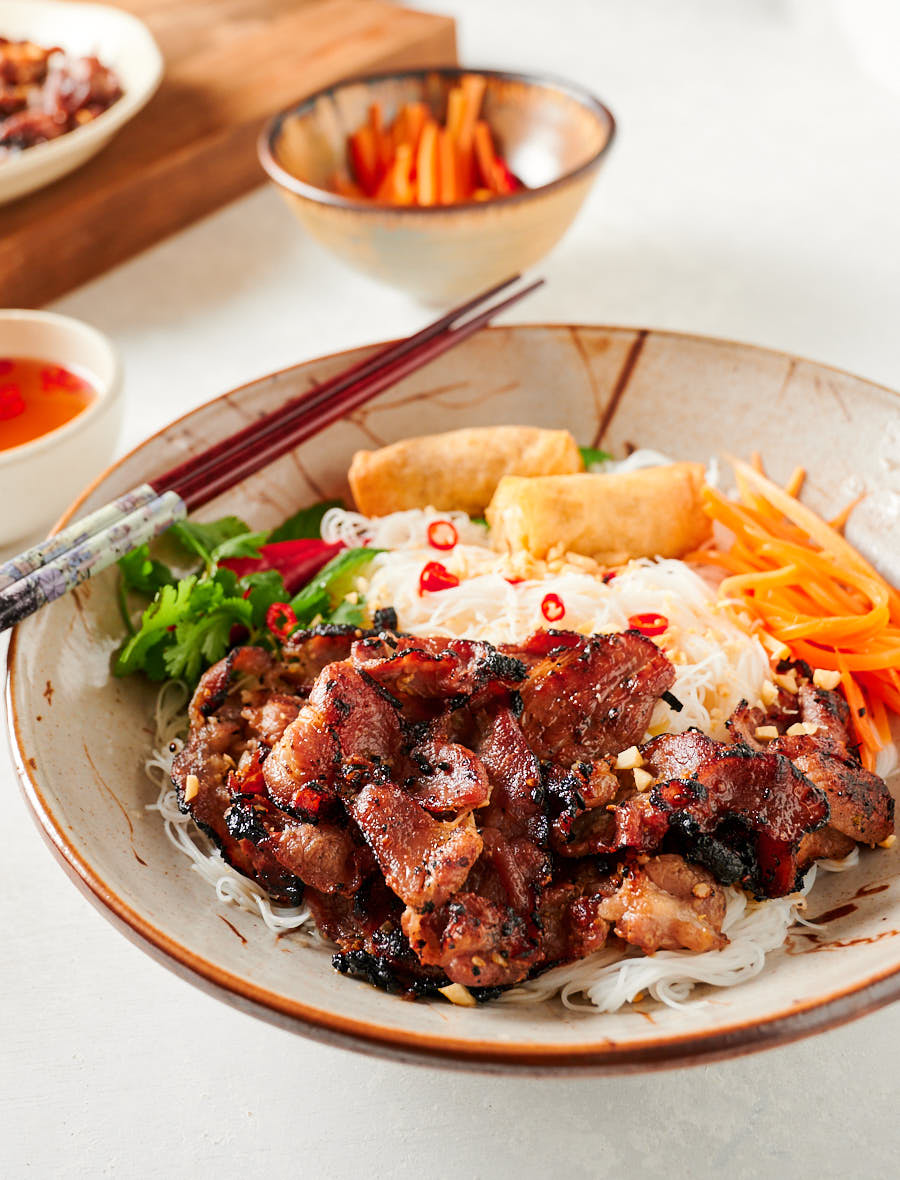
107	391
321	196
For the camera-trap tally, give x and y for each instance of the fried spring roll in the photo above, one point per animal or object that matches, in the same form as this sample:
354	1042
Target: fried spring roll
652	512
459	469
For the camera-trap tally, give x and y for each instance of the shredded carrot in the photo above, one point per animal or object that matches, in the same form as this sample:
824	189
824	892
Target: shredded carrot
416	162
807	588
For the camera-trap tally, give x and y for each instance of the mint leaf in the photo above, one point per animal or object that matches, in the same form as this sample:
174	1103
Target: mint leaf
591	457
305	523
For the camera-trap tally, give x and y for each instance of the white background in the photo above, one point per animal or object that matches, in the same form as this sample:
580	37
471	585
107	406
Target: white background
753	193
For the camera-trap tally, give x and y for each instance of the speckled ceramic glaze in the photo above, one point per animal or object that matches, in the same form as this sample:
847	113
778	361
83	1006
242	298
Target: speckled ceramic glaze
551	134
81	737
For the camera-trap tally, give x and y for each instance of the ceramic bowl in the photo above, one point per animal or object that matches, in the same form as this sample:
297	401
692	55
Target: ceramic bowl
81	737
39	478
553	135
120	41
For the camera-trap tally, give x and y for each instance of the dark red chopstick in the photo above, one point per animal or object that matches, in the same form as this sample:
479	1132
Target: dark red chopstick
191	472
308	415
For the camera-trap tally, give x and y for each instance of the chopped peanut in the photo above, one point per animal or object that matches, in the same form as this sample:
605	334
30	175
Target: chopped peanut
825	678
629	759
768	694
802	729
642	779
191	787
457	994
766	733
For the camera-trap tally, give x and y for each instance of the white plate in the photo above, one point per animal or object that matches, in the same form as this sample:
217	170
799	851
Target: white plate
120	41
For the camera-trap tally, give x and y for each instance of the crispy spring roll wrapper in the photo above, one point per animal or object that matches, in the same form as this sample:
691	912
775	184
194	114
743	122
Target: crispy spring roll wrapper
652	512
459	469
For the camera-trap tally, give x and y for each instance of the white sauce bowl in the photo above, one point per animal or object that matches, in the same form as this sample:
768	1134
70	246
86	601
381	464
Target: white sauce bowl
39	478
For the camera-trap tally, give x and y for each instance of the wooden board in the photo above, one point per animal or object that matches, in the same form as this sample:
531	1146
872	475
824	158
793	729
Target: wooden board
230	64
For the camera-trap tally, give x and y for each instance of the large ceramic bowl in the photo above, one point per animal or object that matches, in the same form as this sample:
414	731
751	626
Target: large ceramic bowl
552	134
81	737
120	41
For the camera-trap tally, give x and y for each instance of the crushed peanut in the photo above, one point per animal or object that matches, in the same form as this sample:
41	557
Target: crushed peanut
642	779
802	729
768	694
788	681
457	994
778	649
888	842
766	733
629	759
701	889
825	678
191	788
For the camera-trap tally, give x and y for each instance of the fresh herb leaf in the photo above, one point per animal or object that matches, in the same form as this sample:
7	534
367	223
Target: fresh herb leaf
186	628
307	523
203	637
165	611
591	457
266	588
143	573
479	520
228	537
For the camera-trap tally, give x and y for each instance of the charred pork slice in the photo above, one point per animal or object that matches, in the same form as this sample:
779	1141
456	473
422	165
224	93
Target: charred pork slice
861	807
668	904
594	698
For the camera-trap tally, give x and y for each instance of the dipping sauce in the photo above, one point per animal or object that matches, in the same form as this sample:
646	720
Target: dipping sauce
37	397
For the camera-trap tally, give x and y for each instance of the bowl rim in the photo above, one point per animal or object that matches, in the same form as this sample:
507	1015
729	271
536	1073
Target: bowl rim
107	392
320	196
801	1019
106	124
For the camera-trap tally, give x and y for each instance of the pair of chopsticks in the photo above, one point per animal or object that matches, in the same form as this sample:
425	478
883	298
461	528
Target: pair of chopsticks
53	567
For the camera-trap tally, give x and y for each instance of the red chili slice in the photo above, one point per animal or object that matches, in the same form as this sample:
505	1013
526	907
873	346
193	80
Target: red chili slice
280	619
648	624
442	534
56	377
248	780
514	581
608	577
12	404
552	608
435	577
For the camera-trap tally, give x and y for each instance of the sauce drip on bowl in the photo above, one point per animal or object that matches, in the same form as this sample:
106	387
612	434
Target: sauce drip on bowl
37	397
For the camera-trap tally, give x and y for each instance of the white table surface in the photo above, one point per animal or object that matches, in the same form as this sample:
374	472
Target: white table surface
753	193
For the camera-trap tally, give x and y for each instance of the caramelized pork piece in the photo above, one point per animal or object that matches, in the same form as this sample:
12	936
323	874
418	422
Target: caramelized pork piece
422	860
347	718
514	774
473	940
322	855
668	905
595	698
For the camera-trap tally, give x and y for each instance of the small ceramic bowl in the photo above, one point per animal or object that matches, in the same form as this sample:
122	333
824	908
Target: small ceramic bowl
120	41
552	134
38	478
